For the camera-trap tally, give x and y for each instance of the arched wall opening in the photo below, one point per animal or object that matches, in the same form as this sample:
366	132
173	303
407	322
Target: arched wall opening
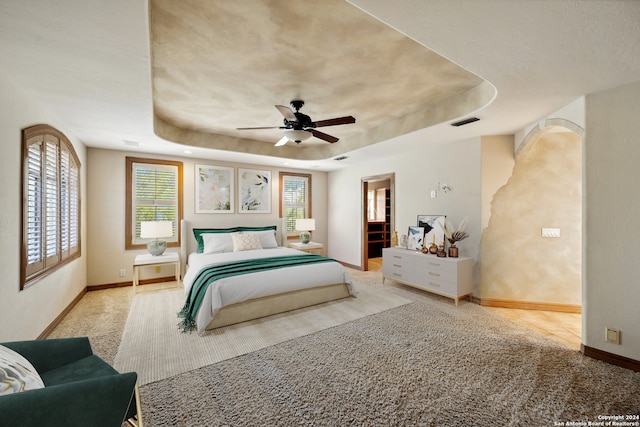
519	267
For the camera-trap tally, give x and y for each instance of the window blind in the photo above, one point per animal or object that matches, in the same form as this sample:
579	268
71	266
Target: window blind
295	200
155	197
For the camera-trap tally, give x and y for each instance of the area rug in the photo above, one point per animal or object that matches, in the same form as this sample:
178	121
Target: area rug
153	347
421	364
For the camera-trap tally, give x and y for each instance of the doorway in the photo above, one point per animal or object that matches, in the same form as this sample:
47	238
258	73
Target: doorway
378	217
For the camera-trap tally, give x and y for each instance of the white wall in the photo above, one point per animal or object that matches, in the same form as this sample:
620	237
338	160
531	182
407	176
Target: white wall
612	206
417	172
26	314
106	212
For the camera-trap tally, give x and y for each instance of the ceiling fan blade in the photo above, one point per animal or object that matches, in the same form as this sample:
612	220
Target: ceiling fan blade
282	141
323	136
287	113
337	121
265	127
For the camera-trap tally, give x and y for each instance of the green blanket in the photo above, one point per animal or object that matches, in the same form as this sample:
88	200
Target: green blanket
215	272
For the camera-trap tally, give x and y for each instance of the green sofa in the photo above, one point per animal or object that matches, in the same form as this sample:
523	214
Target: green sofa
80	388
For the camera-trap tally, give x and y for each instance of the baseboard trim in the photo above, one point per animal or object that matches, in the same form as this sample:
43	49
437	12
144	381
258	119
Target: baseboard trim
130	283
58	319
355	267
611	358
526	305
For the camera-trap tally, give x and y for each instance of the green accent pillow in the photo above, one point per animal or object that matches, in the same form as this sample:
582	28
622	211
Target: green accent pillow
17	373
198	232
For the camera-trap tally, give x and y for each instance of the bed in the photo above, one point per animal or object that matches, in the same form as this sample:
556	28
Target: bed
287	279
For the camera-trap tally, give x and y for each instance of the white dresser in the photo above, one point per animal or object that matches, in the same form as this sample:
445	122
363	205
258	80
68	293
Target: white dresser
449	277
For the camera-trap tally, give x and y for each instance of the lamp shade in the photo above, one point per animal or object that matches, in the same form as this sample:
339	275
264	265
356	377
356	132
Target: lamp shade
305	224
156	229
297	135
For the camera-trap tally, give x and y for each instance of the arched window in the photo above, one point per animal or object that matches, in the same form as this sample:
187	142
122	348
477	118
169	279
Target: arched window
51	202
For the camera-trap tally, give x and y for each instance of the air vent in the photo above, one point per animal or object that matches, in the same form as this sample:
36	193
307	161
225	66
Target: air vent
340	158
465	121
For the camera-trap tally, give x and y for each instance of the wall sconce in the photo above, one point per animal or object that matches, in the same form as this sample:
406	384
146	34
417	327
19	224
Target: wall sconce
444	187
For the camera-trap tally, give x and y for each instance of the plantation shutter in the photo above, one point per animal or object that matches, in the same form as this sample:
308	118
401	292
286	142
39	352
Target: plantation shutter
51	194
34	204
51	201
295	200
155	197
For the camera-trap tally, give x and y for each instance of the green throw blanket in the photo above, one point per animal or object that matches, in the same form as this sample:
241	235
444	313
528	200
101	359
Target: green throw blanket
215	272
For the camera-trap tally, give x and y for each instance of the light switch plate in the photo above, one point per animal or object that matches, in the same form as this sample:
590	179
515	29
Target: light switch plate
612	335
550	232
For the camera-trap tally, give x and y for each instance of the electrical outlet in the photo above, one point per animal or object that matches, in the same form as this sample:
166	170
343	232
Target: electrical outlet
434	194
122	272
157	269
612	335
550	232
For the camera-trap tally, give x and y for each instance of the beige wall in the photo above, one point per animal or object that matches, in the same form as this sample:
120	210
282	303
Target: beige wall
106	212
26	314
545	190
497	165
612	208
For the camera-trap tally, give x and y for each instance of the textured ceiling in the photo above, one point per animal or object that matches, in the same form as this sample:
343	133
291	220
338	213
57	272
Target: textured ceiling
218	65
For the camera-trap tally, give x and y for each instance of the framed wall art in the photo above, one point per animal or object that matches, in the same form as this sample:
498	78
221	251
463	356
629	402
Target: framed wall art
433	228
214	189
415	238
254	191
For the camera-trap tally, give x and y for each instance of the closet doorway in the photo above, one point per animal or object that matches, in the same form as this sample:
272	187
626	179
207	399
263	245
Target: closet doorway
378	217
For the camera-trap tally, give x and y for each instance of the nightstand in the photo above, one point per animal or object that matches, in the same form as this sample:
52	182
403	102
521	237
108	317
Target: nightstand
147	260
308	247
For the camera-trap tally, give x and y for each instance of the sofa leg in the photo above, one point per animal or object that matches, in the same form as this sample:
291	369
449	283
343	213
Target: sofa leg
137	420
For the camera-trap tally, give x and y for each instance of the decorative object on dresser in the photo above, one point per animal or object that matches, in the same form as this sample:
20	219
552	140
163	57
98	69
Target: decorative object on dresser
433	230
305	226
455	236
415	238
156	230
449	277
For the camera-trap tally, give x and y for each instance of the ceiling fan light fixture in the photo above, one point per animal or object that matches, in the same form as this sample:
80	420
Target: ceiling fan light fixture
297	135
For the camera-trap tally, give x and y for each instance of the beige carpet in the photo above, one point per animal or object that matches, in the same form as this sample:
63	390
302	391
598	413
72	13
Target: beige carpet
153	347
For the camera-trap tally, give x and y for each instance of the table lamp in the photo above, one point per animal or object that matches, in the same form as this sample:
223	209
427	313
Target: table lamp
305	226
156	230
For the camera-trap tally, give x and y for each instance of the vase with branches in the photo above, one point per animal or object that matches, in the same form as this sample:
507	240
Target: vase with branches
454	236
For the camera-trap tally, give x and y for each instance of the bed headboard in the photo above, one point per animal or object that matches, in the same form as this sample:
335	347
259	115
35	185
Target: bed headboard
188	240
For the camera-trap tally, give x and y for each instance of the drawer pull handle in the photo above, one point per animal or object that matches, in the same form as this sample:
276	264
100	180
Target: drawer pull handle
397	275
435	264
397	265
398	257
434	284
434	274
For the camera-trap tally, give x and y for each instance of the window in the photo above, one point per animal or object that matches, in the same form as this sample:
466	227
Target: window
295	199
154	193
51	202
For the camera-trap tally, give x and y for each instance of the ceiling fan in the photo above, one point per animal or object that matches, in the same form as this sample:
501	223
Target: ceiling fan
299	127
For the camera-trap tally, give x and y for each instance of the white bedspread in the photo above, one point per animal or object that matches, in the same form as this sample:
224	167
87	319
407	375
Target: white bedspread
244	287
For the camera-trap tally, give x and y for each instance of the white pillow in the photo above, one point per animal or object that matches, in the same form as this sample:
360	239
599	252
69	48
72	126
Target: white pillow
267	238
216	243
17	373
245	241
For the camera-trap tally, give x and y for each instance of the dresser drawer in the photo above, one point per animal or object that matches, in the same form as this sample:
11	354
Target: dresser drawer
425	272
434	263
397	260
443	285
398	265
